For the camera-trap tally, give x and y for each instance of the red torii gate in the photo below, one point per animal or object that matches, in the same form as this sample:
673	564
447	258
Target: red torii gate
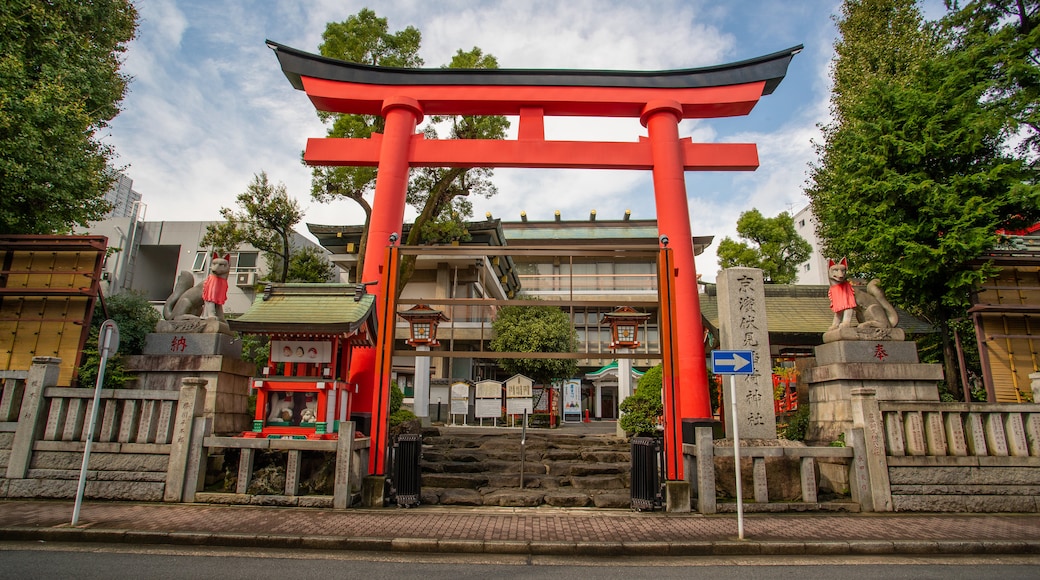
659	99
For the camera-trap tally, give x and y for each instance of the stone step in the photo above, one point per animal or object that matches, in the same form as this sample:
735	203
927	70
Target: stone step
563	470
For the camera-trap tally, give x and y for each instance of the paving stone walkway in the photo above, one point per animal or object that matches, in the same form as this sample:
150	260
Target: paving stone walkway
521	530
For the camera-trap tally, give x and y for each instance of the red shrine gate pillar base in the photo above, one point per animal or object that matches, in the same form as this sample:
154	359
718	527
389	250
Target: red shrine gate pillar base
402	115
661	118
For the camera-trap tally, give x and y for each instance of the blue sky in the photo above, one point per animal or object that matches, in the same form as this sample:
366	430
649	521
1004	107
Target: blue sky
208	106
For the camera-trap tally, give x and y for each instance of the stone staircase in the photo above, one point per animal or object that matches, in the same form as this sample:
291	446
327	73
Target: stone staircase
481	467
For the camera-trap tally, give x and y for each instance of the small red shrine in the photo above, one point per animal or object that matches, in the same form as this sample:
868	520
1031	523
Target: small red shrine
313	330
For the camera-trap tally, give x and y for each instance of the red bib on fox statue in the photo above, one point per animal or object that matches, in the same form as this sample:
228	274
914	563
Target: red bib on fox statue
215	288
841	293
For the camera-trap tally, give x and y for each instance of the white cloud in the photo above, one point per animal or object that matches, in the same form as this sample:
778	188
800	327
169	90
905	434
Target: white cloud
209	106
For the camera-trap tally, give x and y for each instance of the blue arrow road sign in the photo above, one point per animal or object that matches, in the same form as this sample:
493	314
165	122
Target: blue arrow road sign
732	362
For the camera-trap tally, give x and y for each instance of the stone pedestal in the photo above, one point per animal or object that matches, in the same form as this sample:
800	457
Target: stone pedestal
890	368
171	357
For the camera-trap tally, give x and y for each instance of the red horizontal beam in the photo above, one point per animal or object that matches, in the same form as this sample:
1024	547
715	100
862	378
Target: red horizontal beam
532	153
696	103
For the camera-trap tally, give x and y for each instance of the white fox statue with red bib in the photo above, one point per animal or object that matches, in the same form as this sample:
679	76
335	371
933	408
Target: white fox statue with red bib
860	312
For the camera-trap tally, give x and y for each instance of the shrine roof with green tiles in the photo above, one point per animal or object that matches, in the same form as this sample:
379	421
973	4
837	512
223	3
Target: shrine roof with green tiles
799	309
329	309
612	367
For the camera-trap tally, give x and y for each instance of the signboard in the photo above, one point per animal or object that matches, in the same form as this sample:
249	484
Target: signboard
459	398
732	362
301	351
489	390
572	400
519	406
516	390
488	408
488	404
519	390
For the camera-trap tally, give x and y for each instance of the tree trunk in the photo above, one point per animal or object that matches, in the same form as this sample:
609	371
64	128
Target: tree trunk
950	369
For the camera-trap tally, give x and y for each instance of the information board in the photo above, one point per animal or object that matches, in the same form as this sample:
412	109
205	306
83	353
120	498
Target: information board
572	400
460	399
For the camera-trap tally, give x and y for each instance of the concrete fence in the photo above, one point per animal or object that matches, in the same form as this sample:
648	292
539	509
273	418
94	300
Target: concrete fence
962	457
901	456
702	469
149	445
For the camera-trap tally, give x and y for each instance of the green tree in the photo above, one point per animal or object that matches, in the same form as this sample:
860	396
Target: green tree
535	328
439	195
777	250
265	220
362	38
59	85
1001	39
914	177
644	406
136	318
311	264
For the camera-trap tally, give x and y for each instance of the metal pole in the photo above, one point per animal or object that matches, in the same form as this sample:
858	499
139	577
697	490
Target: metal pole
736	454
523	448
106	344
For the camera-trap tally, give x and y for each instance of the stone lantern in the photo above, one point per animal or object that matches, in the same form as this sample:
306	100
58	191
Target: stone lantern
624	336
422	321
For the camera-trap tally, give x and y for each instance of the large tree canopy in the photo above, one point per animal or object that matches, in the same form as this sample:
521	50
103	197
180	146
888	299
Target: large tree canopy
1001	38
265	220
59	85
777	249
915	176
438	195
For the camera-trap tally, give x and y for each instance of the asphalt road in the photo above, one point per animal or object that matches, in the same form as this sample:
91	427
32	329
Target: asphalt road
30	560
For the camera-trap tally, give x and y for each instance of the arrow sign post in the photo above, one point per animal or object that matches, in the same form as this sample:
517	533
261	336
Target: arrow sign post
734	362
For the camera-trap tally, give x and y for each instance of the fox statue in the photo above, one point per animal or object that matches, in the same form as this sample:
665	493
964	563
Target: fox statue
865	309
203	300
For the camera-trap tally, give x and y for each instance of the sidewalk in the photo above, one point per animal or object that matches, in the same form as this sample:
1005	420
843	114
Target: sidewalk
536	531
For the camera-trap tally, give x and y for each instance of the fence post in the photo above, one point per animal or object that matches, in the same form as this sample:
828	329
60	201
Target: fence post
706	503
344	466
190	405
42	374
866	415
11	399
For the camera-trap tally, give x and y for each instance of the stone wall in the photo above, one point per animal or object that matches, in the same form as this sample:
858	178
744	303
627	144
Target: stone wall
958	457
141	445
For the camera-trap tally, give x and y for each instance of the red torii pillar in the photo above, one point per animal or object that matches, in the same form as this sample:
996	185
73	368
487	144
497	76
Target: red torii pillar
660	100
402	115
661	119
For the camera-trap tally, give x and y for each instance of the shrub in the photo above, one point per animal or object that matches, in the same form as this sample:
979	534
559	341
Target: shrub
642	409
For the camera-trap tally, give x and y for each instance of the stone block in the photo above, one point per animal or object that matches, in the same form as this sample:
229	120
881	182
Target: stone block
677	497
858	371
567	499
372	491
185	343
834	477
100	461
964	504
866	351
1015	430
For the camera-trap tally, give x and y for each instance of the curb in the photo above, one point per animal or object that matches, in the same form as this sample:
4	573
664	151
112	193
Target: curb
532	548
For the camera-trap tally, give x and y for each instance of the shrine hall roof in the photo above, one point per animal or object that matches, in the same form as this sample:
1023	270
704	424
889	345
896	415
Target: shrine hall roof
770	68
328	309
